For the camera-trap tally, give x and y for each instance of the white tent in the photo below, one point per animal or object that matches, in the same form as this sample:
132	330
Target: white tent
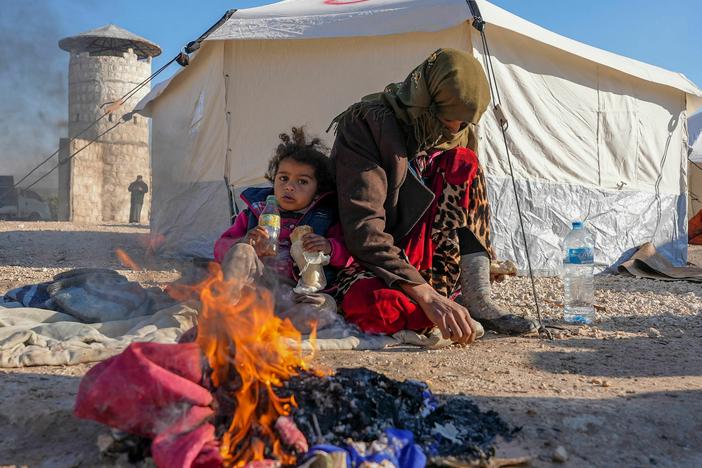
592	134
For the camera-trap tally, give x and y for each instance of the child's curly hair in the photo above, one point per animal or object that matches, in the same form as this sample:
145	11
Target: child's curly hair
312	152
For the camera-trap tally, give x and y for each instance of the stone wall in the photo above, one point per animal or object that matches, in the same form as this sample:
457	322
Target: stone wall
121	165
100	175
85	203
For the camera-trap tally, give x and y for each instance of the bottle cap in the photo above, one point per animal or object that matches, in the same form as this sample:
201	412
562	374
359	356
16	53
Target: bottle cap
577	224
271	199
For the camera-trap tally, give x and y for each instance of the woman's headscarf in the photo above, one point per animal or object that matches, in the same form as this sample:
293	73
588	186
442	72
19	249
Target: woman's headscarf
449	84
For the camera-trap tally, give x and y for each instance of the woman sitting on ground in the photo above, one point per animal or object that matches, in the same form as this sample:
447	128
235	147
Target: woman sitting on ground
413	205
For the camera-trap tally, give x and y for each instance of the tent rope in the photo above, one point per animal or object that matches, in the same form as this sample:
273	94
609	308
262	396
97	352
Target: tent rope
479	24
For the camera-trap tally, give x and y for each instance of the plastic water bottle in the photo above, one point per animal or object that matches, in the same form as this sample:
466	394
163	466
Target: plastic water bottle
578	266
270	221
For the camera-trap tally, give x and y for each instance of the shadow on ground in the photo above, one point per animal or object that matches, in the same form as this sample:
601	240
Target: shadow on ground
670	355
657	428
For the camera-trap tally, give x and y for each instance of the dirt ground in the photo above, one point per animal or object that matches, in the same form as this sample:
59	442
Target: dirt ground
624	392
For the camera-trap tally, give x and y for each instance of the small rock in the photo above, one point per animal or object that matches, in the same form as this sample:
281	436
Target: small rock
104	442
654	333
560	455
605	383
679	333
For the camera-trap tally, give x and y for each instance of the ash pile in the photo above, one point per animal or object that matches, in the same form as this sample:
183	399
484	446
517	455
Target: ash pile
355	407
358	417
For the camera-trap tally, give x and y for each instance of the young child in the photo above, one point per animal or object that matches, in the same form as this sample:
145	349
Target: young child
303	187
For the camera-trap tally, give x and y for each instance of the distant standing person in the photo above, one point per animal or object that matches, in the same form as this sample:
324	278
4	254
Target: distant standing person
138	188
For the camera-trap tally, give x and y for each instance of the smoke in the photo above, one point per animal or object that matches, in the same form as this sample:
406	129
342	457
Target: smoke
33	86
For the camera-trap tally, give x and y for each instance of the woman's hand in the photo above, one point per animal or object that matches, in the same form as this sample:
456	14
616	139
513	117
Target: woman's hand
452	319
313	243
258	239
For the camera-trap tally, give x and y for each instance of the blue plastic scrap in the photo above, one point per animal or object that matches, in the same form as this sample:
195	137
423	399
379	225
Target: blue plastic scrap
395	446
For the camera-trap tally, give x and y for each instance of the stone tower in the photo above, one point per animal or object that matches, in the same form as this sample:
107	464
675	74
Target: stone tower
105	64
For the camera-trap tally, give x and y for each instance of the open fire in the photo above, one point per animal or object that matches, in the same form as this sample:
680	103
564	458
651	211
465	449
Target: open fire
251	352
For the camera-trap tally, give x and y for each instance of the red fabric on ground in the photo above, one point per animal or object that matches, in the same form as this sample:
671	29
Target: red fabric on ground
152	390
369	303
375	308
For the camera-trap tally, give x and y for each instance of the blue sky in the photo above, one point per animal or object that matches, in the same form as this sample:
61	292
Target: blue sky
33	71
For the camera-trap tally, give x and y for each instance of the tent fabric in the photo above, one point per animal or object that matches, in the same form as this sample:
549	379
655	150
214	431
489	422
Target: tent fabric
588	139
604	148
572	121
308	19
619	220
189	149
314	19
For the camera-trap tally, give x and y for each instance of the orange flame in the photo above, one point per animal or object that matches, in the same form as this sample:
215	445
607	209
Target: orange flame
127	261
243	339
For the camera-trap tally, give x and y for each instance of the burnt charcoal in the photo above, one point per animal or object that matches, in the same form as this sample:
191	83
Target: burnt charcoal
225	403
359	404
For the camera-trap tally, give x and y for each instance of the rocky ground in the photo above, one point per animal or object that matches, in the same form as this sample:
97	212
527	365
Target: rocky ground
626	391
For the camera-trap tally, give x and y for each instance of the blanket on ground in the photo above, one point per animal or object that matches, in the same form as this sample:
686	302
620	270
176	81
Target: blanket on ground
88	315
40	337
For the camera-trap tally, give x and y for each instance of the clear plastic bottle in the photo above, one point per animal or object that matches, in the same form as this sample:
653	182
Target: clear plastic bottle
578	270
270	220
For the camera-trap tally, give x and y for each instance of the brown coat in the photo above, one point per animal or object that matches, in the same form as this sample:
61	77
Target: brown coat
380	200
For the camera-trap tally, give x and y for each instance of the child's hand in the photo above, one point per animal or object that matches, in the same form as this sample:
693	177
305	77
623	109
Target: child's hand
258	239
314	243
